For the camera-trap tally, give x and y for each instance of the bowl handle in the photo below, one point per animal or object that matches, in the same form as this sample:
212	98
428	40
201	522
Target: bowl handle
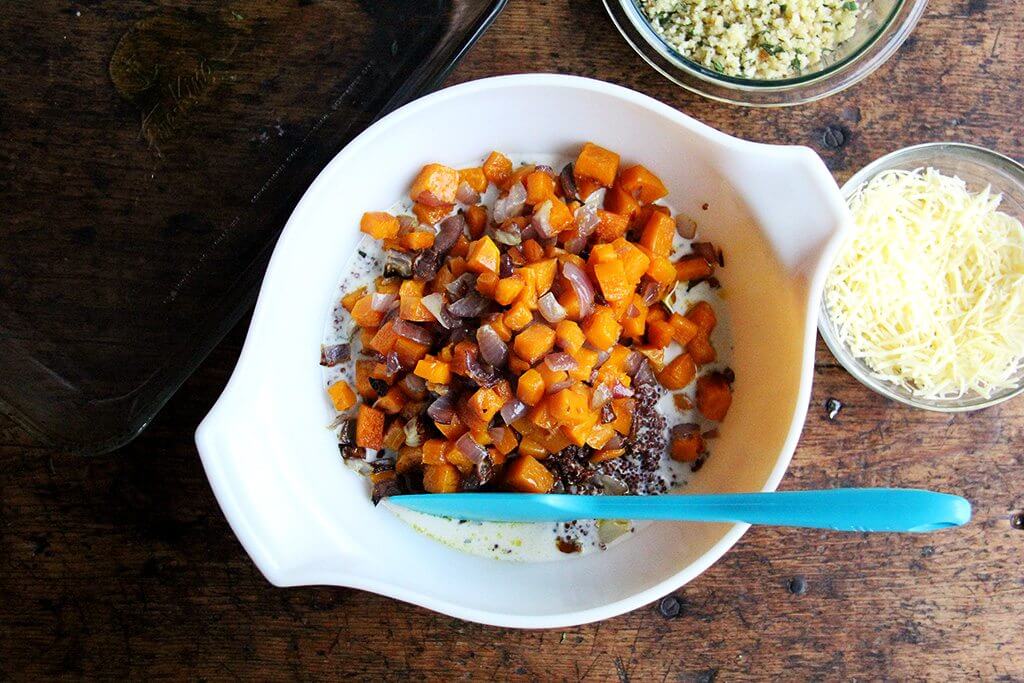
793	197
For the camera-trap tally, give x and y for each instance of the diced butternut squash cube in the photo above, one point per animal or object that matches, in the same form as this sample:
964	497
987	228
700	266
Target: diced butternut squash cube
392	402
543	273
363	386
701	350
436	185
484	256
369	428
485	403
476	220
434	370
434	451
341	395
611	277
634	260
703	316
535	342
586	359
416	240
364	314
600	435
411	308
530	387
678	373
540	187
659	333
687	445
611	225
601	328
683	329
661	271
527	475
518	317
621	202
498	169
409	458
475	178
634	322
623	409
642	184
379	225
569	406
693	267
714	396
431	215
597	163
569	336
440	478
508	288
658	234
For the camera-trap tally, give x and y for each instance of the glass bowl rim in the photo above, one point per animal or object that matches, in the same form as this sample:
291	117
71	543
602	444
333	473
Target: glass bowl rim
857	368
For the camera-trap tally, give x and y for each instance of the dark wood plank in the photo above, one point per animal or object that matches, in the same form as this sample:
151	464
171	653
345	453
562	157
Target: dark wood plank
123	566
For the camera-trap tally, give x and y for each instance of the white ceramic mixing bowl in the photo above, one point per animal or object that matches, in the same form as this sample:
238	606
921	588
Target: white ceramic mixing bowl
304	518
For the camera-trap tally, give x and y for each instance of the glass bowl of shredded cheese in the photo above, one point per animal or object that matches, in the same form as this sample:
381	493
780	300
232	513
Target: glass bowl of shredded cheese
925	301
765	53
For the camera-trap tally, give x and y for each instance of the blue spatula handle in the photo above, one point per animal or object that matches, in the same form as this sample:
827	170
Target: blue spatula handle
841	509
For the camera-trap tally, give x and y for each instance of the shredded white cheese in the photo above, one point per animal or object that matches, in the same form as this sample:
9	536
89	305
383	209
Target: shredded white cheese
929	289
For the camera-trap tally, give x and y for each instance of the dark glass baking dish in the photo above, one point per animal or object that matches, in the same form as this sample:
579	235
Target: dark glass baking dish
152	152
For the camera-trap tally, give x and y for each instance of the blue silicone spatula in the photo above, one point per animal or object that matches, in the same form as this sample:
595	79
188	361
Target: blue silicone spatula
913	510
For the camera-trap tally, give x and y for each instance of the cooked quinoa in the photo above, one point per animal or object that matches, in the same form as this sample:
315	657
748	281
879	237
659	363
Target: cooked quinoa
760	39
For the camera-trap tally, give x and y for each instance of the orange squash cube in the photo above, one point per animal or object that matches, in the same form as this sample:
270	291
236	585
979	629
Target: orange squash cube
658	234
642	184
484	256
435	185
678	373
475	178
535	342
601	328
714	396
597	163
568	336
539	187
431	215
379	225
527	475
530	387
703	316
442	478
341	395
611	277
369	428
498	169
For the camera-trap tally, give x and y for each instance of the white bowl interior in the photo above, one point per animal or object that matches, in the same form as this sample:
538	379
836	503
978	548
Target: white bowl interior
305	518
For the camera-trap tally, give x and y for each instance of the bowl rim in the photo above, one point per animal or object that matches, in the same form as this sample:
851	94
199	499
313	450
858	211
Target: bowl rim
669	62
840	352
210	433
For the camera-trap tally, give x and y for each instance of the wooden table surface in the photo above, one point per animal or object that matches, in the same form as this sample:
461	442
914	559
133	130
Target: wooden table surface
123	565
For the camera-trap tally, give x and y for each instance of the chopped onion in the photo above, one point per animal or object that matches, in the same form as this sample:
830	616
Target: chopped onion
602	394
529	232
544	168
415	431
558	386
621	391
649	291
542	220
549	307
407	221
511	205
568	180
705	250
602	356
632	363
508	234
398	264
335	353
461	285
611	486
493	350
404	328
466	194
414	385
483	375
575	245
581	285
470	448
560	361
596	198
513	410
382	302
391	364
686	227
468	306
448	233
436	305
586	219
442	411
614	442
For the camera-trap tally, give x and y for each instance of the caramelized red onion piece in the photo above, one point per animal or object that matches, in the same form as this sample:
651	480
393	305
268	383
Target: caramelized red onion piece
435	303
407	221
391	364
575	245
621	391
335	353
544	168
560	361
469	306
649	291
466	194
513	410
496	433
568	181
686	227
586	219
542	220
550	309
558	386
470	448
602	394
493	350
442	410
398	264
705	250
615	442
632	363
461	285
414	385
382	302
404	328
511	205
483	375
581	285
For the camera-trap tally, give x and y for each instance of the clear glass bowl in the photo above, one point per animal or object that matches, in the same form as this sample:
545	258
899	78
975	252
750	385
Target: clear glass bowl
978	167
881	29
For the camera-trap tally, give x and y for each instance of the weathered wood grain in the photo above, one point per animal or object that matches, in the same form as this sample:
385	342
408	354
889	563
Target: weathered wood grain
123	566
